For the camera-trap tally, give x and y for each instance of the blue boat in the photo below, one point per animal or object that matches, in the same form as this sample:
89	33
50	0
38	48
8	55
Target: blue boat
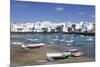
72	50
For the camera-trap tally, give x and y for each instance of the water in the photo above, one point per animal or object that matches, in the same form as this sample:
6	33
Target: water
63	40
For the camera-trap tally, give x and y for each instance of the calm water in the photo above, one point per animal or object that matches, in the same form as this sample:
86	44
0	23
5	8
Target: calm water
87	43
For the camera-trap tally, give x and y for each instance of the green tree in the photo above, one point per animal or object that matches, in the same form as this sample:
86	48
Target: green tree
45	29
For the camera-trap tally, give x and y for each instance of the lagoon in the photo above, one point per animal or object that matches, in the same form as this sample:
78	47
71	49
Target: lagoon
86	43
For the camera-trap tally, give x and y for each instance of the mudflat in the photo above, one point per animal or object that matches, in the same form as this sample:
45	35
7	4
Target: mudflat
37	56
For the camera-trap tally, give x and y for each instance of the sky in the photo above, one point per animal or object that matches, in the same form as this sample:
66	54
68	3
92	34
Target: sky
52	12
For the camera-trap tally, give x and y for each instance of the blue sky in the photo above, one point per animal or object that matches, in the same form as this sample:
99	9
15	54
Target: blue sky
36	11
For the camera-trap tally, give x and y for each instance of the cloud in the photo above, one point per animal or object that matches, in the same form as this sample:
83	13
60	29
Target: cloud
59	8
82	13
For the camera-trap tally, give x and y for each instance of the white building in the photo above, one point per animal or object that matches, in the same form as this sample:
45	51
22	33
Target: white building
37	27
89	27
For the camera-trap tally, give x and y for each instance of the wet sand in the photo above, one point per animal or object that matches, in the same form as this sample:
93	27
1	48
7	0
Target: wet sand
37	56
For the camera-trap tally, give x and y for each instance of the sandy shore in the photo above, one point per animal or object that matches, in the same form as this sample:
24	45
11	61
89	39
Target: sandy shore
20	56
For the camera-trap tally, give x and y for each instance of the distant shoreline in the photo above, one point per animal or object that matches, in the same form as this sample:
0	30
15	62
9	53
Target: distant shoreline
71	33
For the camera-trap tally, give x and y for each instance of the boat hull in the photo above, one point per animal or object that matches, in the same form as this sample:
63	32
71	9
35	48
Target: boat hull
33	46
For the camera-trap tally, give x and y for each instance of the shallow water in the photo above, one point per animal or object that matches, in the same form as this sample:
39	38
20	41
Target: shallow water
64	40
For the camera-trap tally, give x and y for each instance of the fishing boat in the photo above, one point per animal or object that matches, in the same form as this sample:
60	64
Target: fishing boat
32	39
58	55
62	39
75	52
72	37
33	45
70	41
55	39
72	50
82	36
54	54
89	39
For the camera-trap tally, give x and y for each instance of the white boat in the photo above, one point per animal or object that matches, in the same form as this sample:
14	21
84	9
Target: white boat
66	54
32	39
33	45
89	39
70	41
52	55
72	37
62	39
55	39
56	36
82	36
